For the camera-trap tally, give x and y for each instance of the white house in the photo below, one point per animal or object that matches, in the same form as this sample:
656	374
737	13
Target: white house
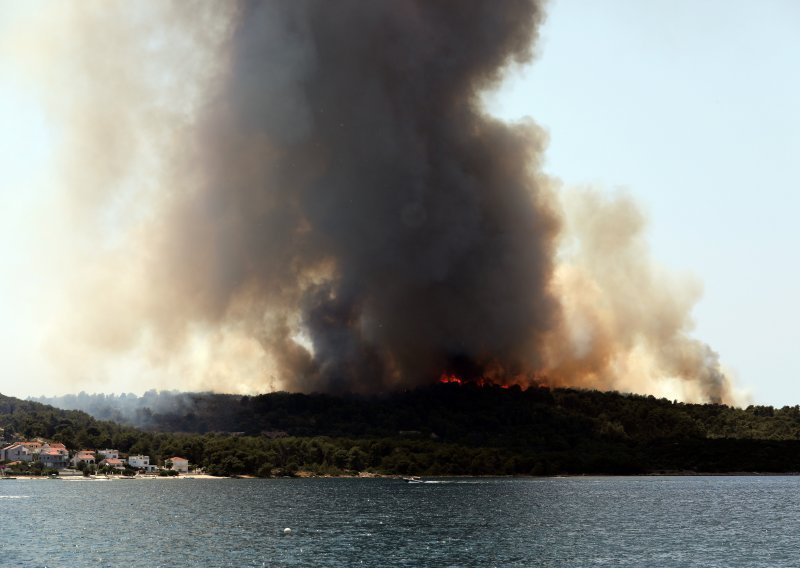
16	452
141	462
179	464
109	453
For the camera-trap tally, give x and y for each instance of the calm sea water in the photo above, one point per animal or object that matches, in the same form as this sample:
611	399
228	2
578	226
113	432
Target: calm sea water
646	521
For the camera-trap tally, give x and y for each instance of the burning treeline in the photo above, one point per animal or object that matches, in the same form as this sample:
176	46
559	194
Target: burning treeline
310	195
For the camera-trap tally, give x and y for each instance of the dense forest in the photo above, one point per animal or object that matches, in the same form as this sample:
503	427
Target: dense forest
442	429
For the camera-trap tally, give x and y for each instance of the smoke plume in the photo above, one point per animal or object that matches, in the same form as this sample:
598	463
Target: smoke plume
625	321
310	195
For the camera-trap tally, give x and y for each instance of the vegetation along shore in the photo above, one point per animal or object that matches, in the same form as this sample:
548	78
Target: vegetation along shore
444	429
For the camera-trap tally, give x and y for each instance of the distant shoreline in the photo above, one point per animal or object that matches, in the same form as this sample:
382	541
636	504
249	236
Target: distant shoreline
366	475
369	475
112	477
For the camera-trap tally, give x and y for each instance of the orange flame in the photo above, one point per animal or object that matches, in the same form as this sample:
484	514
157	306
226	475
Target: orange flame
445	378
482	382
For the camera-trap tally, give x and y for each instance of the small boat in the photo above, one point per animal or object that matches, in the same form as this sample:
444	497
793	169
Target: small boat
413	479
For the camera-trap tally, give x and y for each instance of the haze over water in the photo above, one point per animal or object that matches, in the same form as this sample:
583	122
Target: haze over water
618	521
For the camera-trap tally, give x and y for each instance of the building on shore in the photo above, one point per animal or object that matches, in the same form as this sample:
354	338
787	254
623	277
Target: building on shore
85	457
54	459
16	452
141	462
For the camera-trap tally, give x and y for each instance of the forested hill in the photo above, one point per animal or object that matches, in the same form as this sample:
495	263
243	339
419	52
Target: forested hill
458	413
444	429
76	429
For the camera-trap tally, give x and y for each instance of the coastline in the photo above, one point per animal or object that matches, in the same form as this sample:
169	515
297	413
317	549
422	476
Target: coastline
372	475
112	477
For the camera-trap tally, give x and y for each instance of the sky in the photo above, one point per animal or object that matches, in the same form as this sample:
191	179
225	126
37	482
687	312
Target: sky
26	158
688	107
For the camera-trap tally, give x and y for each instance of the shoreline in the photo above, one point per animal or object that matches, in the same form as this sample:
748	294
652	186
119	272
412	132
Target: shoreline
370	475
70	477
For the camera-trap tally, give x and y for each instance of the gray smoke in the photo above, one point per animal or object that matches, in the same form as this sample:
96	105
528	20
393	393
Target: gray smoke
349	176
309	195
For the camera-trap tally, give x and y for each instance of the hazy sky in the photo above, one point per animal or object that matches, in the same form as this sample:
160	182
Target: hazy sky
691	107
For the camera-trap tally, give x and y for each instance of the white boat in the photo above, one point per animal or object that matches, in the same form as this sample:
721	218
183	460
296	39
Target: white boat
413	479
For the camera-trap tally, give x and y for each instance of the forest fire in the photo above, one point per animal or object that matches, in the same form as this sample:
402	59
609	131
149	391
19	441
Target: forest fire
482	382
447	379
329	176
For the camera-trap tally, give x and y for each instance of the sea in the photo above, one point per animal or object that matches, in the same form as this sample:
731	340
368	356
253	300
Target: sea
482	522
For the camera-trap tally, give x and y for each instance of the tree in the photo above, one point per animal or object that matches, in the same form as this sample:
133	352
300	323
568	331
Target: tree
356	459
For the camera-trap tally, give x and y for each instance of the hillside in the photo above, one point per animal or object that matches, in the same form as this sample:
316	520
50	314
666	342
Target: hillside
458	413
454	429
74	428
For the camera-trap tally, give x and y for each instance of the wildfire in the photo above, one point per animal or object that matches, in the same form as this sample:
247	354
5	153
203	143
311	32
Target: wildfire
446	378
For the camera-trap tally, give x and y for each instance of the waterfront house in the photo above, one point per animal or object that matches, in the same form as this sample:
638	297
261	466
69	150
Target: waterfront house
141	462
84	456
179	464
16	452
109	453
53	458
56	447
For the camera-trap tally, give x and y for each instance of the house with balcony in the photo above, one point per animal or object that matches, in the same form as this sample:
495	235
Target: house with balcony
85	457
54	458
141	462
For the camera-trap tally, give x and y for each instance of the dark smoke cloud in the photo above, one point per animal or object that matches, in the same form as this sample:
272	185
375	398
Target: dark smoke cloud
309	195
350	176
